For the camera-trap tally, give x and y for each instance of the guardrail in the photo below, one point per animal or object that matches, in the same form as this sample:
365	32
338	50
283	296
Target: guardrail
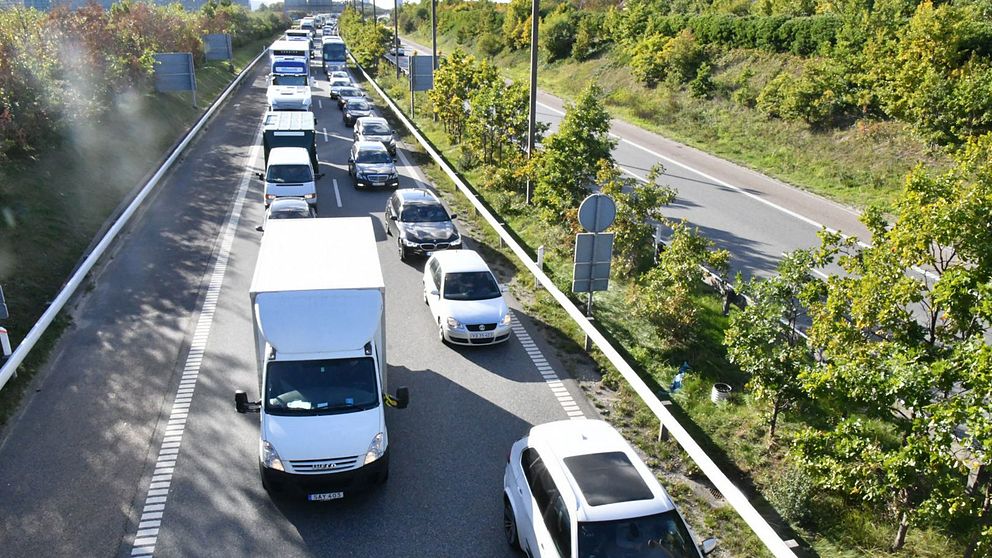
70	287
733	495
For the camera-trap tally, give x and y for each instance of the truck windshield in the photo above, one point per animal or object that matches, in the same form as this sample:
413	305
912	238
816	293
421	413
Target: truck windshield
663	535
289	80
334	52
321	387
289	173
470	285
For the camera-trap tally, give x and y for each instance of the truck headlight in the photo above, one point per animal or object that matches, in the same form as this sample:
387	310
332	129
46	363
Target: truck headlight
507	319
453	323
270	458
376	449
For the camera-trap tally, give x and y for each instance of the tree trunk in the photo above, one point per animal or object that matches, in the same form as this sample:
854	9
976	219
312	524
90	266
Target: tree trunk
901	532
776	405
983	521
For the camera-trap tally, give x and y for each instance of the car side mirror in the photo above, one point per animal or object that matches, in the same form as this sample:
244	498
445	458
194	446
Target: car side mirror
242	404
393	217
453	216
260	228
434	292
259	175
708	546
504	288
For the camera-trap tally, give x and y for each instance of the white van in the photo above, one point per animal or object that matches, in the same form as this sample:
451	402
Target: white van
289	173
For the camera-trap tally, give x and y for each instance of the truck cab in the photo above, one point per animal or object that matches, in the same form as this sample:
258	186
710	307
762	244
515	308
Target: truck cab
317	303
289	172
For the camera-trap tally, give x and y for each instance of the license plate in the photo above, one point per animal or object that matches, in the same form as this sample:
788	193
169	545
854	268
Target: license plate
378	183
324	496
483	335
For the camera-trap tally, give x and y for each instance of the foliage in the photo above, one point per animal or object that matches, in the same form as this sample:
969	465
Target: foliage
638	210
819	96
368	41
792	496
702	85
658	57
557	33
458	76
663	295
570	158
588	35
516	25
497	123
763	339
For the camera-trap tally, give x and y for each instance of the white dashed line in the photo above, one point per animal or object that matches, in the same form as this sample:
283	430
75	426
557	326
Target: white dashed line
146	534
326	138
554	383
337	193
320	104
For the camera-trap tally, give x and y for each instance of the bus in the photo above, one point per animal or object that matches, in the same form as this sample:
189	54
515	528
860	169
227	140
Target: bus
333	54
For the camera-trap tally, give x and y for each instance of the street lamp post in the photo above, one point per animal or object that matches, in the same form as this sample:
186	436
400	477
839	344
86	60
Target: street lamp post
396	35
532	118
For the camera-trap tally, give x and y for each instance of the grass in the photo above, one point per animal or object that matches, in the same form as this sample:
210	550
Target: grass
858	165
54	204
734	434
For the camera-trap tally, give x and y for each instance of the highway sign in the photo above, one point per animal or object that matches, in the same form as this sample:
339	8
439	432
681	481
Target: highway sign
597	213
591	268
421	73
174	72
217	46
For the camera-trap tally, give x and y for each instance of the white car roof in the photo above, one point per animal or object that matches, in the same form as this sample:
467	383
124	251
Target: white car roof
455	261
372	120
282	203
365	145
289	156
604	486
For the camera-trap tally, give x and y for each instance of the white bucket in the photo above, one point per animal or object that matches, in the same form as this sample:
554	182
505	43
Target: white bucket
720	392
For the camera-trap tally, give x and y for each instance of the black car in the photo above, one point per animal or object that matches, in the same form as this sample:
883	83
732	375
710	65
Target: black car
370	165
420	223
346	94
355	109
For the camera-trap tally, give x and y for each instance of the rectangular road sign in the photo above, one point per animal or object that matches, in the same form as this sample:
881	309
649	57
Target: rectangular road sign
591	270
217	46
421	73
174	72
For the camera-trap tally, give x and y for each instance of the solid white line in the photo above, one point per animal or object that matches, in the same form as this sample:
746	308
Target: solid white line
337	193
153	501
326	139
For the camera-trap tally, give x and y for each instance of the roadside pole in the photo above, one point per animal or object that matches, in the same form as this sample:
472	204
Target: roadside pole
396	35
532	118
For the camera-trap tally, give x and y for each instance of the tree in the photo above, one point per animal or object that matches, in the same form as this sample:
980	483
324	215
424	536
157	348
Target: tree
763	339
568	162
891	339
558	33
664	295
496	127
456	78
638	212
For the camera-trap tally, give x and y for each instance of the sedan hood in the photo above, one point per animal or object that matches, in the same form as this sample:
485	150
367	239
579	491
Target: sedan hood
477	311
427	232
322	436
383	168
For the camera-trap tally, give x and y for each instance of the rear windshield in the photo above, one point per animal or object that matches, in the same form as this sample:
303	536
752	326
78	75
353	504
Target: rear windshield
340	83
321	387
470	285
376	129
282	174
358	105
290	213
373	157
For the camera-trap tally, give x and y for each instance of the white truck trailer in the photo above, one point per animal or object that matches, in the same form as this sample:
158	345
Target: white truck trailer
318	308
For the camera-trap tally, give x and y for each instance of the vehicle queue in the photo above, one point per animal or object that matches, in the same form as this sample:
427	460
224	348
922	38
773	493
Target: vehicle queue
570	488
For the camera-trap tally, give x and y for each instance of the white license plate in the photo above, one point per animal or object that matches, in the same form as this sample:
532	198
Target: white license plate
324	496
483	335
378	183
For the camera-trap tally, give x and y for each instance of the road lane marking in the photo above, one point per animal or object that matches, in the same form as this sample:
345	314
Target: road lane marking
337	193
551	379
326	139
321	105
156	495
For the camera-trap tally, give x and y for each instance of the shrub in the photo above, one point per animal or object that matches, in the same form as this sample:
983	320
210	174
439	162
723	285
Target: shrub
702	85
819	96
792	496
682	55
647	62
558	35
489	44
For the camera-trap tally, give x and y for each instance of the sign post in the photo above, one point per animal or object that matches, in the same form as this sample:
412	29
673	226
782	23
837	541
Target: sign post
593	249
4	340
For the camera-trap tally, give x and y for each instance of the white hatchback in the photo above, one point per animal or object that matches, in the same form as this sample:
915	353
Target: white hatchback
465	299
576	488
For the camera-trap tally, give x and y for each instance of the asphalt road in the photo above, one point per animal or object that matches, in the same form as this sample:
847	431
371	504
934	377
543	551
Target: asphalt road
756	218
77	462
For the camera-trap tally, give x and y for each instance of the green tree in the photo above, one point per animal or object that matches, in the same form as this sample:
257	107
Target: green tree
456	78
664	296
565	168
496	127
516	25
763	339
638	212
558	33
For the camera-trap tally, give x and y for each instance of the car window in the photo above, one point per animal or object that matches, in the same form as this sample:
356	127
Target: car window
290	213
663	534
373	157
376	129
559	524
436	273
423	213
289	173
358	105
471	285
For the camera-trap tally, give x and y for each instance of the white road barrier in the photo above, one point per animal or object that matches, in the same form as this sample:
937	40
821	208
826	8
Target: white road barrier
737	499
46	319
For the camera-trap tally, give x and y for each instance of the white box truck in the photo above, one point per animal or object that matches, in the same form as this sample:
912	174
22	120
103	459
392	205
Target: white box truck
318	308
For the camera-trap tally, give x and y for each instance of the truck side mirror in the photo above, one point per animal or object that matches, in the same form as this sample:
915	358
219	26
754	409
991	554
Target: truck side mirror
434	292
259	175
708	546
260	228
402	397
242	405
504	288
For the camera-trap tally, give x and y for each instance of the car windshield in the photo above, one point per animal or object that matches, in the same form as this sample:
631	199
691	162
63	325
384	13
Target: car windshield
290	213
376	129
340	83
350	92
663	536
321	387
373	157
289	173
470	285
423	213
289	80
358	105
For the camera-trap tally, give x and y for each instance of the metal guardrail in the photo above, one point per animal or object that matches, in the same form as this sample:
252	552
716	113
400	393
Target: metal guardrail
70	287
737	499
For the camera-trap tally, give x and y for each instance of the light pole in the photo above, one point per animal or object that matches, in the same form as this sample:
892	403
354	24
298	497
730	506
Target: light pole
373	11
434	33
363	11
532	118
396	35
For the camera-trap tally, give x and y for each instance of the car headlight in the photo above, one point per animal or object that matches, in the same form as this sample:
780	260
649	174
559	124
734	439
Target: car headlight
409	242
393	175
453	323
270	458
376	448
457	241
507	319
360	175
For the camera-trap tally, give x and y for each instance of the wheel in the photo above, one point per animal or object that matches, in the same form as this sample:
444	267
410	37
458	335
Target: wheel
510	525
314	209
401	249
425	299
440	332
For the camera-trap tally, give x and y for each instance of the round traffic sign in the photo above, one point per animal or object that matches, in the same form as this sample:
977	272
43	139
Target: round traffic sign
597	212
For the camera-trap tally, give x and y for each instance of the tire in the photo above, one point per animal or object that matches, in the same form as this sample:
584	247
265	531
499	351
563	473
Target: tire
401	249
314	208
425	299
510	526
440	333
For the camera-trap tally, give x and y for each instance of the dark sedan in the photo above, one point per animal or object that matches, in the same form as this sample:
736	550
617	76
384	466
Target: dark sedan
420	223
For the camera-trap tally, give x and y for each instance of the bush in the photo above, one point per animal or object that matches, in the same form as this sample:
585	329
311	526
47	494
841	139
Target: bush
702	85
587	36
792	496
558	36
819	96
489	44
682	55
646	61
